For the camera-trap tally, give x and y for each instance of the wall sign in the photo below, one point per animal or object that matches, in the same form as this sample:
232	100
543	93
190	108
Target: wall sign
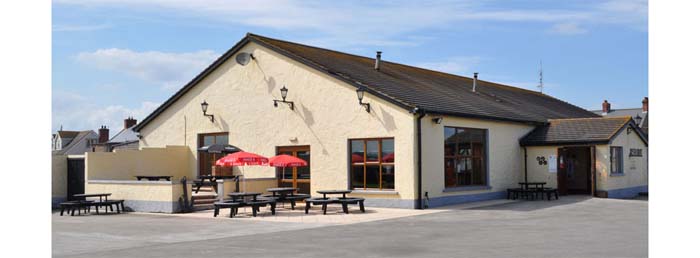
541	160
552	164
635	152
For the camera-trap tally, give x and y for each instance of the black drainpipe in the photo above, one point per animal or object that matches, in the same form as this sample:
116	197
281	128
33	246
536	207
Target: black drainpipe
525	163
421	114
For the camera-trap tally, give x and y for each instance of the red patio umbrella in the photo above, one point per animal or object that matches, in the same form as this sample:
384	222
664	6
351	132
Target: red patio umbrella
284	161
242	158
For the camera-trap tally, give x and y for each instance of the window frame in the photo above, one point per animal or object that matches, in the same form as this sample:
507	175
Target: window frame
200	143
620	160
379	163
456	157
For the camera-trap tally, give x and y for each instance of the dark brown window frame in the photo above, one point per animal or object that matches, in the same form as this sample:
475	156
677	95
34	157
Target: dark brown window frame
378	163
456	157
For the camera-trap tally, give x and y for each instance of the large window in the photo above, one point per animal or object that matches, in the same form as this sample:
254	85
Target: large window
465	157
372	163
616	160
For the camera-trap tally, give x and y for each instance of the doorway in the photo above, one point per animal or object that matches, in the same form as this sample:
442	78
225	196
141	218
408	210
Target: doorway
207	160
76	177
574	172
296	177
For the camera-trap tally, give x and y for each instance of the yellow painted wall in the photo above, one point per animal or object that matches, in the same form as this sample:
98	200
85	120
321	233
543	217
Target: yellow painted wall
505	156
138	190
326	115
537	172
125	164
59	176
635	168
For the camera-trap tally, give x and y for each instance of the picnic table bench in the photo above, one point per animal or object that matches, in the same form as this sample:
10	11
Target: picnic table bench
531	193
87	204
343	201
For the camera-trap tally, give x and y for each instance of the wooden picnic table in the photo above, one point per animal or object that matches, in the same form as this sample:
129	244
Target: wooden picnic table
241	195
282	191
153	178
94	195
537	185
325	192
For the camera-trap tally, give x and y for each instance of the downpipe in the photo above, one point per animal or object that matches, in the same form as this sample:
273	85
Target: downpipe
419	202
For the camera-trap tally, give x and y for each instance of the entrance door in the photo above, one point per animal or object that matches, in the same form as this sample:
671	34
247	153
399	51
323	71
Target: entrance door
76	177
297	177
207	160
574	170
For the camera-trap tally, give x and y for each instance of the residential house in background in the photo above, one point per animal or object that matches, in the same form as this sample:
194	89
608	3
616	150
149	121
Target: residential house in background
73	142
639	115
126	139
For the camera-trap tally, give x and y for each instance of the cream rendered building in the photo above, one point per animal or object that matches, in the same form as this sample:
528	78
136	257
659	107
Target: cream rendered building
425	139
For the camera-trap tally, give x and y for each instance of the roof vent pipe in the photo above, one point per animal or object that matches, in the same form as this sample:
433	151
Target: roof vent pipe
378	60
476	77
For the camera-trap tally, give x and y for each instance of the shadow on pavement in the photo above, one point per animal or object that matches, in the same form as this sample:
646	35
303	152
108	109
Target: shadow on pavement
531	205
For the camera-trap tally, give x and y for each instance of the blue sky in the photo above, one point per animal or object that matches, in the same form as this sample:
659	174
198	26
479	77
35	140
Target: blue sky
112	59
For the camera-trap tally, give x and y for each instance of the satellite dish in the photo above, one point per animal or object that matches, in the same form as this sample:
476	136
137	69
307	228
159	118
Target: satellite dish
243	58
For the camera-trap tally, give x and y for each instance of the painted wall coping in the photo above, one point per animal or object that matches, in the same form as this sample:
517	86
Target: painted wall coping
133	182
374	192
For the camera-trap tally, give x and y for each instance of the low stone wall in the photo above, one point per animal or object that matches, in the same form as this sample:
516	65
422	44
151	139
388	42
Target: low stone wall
142	196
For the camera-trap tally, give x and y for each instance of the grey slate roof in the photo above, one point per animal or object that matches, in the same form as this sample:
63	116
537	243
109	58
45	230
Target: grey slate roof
409	87
578	131
76	140
633	112
125	135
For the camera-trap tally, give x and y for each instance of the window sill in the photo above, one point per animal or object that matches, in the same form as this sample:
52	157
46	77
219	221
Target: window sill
375	192
466	188
617	174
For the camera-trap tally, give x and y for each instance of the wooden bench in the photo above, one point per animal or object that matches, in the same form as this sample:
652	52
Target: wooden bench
230	205
318	201
352	200
256	204
71	206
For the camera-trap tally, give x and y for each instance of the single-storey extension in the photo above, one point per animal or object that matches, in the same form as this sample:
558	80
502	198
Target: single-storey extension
398	135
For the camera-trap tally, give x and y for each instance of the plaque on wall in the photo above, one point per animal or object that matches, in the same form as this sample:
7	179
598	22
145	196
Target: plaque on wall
635	152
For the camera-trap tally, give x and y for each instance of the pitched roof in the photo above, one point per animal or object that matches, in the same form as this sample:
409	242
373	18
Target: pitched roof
409	87
68	134
578	131
125	135
77	139
633	112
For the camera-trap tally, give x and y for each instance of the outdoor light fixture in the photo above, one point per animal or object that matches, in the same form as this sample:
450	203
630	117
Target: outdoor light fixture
205	106
638	119
360	96
437	120
284	91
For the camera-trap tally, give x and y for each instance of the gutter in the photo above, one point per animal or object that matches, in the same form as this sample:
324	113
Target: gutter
421	113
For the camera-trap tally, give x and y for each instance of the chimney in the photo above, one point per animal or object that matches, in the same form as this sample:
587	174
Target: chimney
645	104
476	78
103	134
129	122
378	60
606	107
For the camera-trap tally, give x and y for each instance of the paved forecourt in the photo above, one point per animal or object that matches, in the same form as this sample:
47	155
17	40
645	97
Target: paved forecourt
571	227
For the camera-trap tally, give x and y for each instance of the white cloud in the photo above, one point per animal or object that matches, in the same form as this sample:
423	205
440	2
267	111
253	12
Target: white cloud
75	28
170	70
568	28
460	65
76	112
377	23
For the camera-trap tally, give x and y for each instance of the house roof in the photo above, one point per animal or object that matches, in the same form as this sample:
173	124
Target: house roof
409	87
68	134
633	112
77	139
125	135
579	131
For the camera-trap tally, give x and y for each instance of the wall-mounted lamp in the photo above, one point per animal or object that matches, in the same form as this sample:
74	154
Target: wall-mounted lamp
437	120
638	120
360	96
205	106
284	91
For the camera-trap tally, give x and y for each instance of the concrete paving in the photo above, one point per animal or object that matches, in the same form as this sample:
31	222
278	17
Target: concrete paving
570	227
